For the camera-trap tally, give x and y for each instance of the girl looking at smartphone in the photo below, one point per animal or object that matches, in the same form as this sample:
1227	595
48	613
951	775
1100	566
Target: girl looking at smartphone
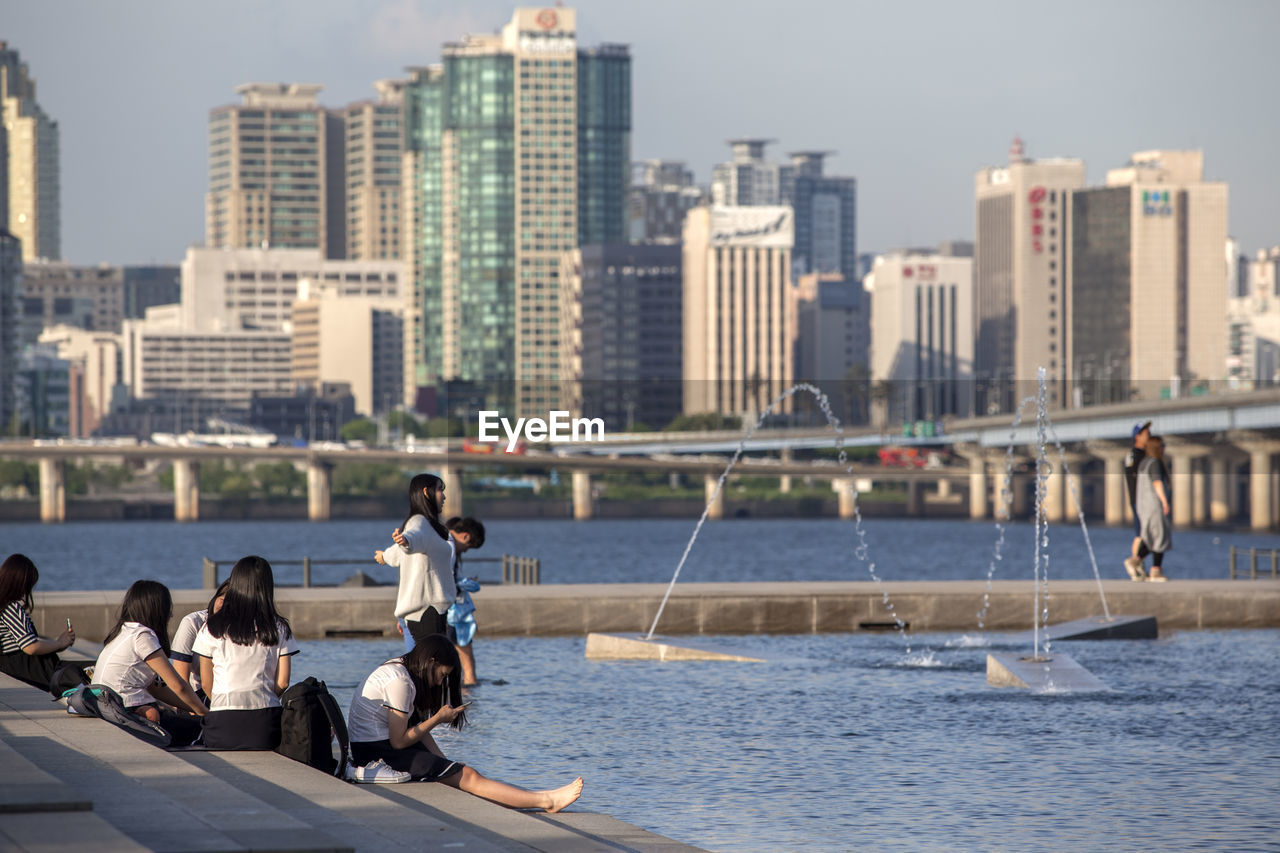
427	681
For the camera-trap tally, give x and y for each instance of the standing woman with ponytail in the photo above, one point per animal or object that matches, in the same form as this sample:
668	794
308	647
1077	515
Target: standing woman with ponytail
424	555
244	651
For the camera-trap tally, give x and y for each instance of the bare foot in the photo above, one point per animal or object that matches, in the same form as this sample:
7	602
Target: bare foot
150	713
563	797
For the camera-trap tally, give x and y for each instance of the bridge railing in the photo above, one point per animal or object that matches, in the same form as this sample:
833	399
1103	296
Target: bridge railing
1253	553
515	569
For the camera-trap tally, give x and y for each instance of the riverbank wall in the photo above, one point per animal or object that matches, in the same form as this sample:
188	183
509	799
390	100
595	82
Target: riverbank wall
550	610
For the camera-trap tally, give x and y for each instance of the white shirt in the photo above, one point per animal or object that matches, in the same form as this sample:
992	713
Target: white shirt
388	686
426	570
122	664
183	640
244	677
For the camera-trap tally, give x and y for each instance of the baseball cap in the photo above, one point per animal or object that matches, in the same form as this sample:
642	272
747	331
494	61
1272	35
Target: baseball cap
1137	428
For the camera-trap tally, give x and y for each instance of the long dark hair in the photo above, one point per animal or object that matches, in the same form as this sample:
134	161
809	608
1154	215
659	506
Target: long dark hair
18	576
427	652
248	613
149	604
221	590
422	501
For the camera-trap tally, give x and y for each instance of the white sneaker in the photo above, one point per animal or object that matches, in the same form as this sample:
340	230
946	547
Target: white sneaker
376	772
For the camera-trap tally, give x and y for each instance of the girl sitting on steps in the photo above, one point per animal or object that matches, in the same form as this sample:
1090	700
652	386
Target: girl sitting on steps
426	680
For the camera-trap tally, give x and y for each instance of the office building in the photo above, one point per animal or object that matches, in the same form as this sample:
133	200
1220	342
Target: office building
738	331
831	337
207	372
312	414
1146	279
354	340
518	145
1019	258
922	337
10	325
1253	324
149	285
43	392
256	288
662	192
622	334
272	158
374	149
58	293
826	218
30	174
96	381
749	180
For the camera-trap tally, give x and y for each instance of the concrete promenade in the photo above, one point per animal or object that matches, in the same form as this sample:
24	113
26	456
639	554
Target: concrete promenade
70	783
731	608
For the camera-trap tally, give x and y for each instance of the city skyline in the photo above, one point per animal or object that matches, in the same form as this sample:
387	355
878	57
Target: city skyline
912	110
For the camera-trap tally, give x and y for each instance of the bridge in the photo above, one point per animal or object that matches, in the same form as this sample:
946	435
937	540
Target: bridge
1222	449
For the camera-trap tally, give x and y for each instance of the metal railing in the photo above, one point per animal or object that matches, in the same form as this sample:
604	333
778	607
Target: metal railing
1253	561
515	570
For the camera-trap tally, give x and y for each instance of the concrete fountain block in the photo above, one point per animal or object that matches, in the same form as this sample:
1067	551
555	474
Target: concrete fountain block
637	647
1098	628
1054	672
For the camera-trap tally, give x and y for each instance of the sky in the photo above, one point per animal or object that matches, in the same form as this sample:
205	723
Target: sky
915	97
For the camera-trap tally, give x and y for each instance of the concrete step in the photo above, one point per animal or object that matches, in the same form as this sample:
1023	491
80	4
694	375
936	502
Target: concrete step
203	800
153	797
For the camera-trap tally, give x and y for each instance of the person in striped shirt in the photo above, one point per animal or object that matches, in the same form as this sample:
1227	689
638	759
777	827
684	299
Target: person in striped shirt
23	654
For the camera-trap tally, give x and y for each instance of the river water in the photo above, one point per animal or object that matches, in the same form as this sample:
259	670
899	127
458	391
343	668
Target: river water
112	554
838	742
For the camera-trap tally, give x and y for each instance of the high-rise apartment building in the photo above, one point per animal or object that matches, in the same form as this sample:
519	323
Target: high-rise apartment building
374	148
272	158
518	146
662	192
622	338
739	345
1019	259
10	325
748	179
922	333
30	186
826	218
1146	271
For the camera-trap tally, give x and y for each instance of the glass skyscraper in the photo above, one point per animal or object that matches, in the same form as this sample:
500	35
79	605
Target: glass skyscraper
518	149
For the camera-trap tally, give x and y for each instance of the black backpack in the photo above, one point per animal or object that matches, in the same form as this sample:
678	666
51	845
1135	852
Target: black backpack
309	721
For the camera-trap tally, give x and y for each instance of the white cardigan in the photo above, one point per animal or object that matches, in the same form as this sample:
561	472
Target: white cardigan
426	570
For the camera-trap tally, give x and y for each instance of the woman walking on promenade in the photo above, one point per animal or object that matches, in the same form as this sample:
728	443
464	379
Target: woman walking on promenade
426	680
136	651
244	652
22	653
424	555
1153	508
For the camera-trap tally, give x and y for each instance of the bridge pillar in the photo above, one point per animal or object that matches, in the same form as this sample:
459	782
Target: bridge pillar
1199	499
1261	473
1054	502
716	510
1182	463
915	498
320	490
1019	484
944	488
186	490
784	482
845	499
53	491
583	508
978	505
453	497
1115	496
1221	480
